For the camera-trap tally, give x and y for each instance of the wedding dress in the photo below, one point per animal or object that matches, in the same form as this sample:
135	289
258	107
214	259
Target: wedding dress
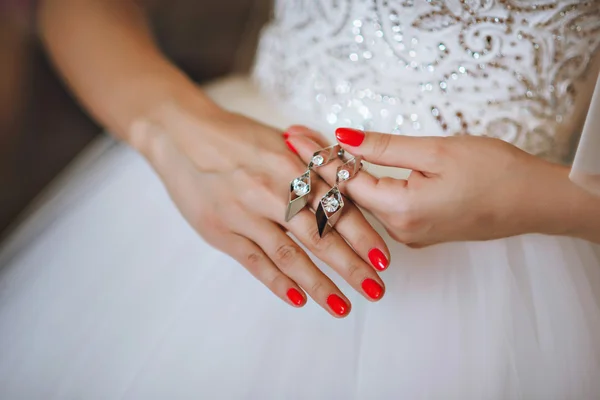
107	293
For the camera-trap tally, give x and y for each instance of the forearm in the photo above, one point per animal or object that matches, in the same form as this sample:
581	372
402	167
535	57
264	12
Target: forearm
106	53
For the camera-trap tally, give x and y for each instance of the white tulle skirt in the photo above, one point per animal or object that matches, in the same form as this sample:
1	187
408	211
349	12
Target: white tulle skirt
107	293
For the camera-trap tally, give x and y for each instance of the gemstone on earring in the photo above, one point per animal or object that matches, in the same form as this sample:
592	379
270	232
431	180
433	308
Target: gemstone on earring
329	210
301	187
299	190
343	174
318	160
330	203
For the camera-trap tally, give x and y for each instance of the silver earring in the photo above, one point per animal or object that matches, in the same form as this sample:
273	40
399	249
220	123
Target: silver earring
300	187
331	204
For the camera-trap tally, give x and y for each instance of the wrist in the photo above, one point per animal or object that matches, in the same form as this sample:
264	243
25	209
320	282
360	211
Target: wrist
584	214
563	208
166	104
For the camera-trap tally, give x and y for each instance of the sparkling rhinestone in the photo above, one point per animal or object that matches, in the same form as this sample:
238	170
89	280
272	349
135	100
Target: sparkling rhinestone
318	160
344	175
300	187
330	204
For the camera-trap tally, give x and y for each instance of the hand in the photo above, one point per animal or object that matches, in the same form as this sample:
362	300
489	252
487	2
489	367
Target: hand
229	177
460	188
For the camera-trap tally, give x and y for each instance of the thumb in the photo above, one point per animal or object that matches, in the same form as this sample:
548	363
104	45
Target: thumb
410	152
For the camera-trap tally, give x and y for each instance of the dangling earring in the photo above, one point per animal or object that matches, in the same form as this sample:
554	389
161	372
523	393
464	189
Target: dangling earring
331	204
300	187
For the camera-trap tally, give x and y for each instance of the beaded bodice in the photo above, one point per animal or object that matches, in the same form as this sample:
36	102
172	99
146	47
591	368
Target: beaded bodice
513	69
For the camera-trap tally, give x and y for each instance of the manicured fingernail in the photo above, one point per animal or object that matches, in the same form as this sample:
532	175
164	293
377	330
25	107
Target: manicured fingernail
295	297
352	137
372	288
378	259
337	304
285	135
289	145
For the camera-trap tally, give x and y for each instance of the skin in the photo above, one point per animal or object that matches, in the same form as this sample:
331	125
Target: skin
217	166
465	188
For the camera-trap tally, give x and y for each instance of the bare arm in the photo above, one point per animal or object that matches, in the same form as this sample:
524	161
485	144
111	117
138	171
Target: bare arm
106	54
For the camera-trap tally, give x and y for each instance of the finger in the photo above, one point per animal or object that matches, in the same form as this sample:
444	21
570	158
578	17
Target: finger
417	153
355	229
291	260
365	189
334	251
259	264
301	130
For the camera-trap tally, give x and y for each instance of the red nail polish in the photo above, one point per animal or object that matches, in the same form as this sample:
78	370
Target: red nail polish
378	259
285	135
372	288
337	304
352	137
289	145
295	297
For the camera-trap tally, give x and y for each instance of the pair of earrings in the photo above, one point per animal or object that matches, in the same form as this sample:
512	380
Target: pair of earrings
331	204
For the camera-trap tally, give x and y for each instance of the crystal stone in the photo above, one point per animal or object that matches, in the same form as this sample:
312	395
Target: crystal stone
300	187
331	203
343	175
318	160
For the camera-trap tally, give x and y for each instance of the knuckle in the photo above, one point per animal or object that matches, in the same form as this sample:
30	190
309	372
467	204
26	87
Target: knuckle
254	260
407	221
258	180
395	235
316	287
209	223
277	281
321	243
354	273
314	239
381	144
285	256
436	152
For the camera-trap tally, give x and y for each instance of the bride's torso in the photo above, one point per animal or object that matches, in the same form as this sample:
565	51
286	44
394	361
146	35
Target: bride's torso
519	70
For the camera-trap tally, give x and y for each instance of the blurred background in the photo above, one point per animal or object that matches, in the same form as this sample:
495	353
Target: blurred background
42	128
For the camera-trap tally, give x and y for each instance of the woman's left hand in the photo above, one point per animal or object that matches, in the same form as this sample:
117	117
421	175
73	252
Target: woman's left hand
460	188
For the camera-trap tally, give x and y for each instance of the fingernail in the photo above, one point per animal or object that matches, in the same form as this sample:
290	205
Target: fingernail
289	145
285	135
337	304
295	297
352	137
372	288
378	259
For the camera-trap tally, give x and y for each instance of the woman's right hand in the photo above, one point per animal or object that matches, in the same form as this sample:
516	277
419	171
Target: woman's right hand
229	177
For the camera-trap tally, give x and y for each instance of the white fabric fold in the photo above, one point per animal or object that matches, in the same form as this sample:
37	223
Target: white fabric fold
586	166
